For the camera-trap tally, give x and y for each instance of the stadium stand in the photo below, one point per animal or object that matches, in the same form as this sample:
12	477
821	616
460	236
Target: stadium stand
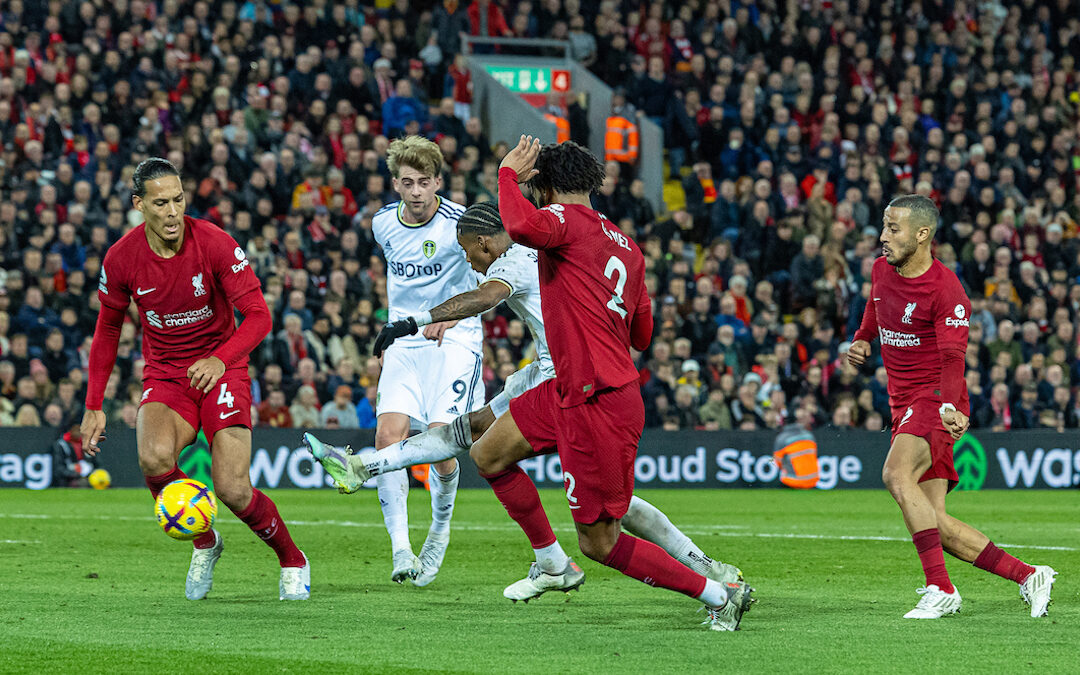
788	127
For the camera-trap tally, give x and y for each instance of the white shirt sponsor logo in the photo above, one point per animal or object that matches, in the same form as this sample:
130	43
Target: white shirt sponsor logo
960	319
557	209
103	282
239	253
179	318
897	339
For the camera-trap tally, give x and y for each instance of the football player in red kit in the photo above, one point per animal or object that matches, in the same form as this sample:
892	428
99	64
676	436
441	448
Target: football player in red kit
186	277
920	313
594	303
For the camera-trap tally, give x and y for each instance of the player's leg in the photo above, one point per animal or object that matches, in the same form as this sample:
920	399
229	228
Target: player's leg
970	545
440	442
646	521
597	446
496	455
393	489
908	460
231	460
165	425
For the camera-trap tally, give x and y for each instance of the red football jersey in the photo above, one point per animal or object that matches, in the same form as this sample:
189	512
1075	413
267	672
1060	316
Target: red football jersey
592	291
919	322
186	301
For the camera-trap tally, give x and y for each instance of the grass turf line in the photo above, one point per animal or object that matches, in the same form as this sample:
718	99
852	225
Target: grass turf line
103	591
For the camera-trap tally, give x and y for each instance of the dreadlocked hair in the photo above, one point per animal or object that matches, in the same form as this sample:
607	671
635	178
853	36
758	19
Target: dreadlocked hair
482	219
567	168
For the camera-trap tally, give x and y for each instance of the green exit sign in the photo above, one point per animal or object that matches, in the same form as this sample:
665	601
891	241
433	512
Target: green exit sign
526	80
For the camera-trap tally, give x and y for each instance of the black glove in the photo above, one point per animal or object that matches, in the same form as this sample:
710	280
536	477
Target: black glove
393	331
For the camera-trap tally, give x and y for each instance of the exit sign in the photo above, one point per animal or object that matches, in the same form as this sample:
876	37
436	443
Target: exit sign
530	80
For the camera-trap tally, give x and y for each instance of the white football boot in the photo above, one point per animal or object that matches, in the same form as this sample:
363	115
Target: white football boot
539	582
1036	589
200	576
728	616
431	556
295	581
935	603
406	566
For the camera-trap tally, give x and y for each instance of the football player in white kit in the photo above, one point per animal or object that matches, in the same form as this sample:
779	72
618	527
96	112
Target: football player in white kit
511	274
431	378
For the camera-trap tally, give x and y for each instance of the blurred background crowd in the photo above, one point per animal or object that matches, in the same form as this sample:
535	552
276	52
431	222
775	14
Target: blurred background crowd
788	126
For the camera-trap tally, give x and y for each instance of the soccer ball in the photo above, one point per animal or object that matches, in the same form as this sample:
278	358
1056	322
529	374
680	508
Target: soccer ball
99	479
185	509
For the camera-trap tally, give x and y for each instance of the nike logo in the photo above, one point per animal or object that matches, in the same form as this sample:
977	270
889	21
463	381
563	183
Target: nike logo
904	421
139	291
876	299
574	507
228	415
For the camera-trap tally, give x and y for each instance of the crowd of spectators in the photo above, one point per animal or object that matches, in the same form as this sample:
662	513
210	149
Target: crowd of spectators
788	126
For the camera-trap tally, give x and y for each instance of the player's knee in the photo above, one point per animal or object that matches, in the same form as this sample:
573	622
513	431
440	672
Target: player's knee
487	460
595	548
234	493
156	458
895	480
387	437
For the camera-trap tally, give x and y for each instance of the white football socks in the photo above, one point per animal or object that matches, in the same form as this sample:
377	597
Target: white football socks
551	559
437	444
443	491
648	522
714	595
393	490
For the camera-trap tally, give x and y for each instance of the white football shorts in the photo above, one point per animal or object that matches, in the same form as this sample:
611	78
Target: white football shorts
430	384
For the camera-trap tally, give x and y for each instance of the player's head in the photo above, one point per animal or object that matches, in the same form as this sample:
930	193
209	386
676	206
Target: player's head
480	232
565	168
416	166
909	224
158	194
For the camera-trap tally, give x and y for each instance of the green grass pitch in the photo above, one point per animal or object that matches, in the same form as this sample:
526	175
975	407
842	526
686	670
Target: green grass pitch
89	584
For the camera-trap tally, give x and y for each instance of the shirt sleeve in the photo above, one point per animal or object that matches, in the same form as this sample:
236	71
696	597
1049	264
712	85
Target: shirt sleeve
113	289
512	272
526	224
232	268
952	313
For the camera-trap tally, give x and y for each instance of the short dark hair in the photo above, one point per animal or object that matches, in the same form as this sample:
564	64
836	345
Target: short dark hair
482	218
924	213
151	169
567	168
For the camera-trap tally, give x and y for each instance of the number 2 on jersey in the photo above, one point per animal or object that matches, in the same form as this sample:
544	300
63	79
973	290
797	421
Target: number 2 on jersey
616	270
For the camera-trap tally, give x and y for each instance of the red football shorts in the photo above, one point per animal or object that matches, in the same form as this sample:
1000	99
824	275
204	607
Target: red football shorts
922	419
597	443
228	404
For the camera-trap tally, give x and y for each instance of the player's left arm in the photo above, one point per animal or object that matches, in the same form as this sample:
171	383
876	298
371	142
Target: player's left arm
244	292
952	314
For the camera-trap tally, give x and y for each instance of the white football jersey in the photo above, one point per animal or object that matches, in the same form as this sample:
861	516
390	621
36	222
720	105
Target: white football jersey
425	266
518	269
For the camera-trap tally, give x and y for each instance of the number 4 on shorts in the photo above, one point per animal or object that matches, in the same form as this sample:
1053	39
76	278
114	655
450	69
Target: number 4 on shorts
224	397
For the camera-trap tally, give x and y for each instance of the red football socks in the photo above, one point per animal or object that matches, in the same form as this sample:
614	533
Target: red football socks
521	500
158	483
928	544
261	515
994	560
647	562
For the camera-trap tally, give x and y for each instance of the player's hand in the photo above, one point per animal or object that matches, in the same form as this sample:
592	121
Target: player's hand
436	331
393	331
956	423
92	431
858	352
522	157
205	373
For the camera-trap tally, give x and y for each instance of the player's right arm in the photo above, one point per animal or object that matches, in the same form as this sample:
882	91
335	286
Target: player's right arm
461	306
114	296
535	228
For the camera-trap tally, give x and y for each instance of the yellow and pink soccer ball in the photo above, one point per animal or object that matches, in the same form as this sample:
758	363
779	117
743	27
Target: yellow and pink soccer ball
185	509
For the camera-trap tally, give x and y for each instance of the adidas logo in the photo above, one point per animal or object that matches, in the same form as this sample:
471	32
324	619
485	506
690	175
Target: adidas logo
453	410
